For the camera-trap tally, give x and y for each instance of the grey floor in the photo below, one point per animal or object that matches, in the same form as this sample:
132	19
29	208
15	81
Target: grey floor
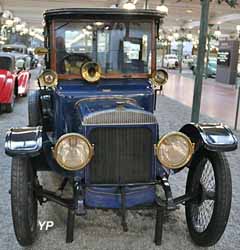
100	229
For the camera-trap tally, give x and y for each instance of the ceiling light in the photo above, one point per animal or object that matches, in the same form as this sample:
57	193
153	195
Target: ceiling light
238	28
162	9
19	27
89	27
189	36
189	11
9	22
176	35
98	23
129	5
7	14
17	20
217	32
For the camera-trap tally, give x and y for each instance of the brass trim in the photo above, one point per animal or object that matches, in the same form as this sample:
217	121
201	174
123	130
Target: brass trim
40	51
87	76
190	153
43	75
156	81
63	137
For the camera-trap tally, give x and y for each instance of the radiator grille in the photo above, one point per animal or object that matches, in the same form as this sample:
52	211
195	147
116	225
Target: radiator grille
122	155
120	117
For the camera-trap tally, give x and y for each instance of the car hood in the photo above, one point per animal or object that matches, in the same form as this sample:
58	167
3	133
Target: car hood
106	110
92	105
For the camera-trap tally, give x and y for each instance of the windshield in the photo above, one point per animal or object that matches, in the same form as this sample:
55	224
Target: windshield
5	63
119	47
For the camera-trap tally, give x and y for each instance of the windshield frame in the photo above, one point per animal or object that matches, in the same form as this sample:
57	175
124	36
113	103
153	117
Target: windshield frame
53	56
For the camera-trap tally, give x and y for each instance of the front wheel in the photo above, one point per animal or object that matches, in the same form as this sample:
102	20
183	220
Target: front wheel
24	201
209	182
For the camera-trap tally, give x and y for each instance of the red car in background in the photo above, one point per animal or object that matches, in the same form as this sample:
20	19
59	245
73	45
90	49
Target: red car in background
14	78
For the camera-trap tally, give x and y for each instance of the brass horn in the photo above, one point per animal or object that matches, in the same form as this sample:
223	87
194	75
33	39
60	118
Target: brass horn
91	72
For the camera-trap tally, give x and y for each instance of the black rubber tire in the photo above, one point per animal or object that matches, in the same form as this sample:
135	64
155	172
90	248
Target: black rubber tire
34	114
9	107
23	201
222	201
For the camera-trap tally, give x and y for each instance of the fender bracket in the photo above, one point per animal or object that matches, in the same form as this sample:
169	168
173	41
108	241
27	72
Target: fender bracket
23	141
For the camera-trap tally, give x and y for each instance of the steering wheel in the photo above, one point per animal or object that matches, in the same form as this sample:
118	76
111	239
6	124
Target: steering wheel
74	61
73	57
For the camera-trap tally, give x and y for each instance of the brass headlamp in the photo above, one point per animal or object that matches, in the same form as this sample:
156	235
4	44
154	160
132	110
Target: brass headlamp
174	150
73	151
48	78
159	77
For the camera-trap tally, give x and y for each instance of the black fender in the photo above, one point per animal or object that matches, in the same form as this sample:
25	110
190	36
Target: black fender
212	136
25	141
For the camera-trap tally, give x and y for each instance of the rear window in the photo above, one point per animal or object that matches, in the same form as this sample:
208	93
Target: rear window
5	63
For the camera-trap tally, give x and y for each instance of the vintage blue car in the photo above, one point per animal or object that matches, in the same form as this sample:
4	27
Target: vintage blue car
92	121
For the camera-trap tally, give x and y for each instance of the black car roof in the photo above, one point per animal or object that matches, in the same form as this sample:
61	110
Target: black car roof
94	13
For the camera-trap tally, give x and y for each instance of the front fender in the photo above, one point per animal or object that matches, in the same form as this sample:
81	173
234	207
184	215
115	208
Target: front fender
24	141
214	137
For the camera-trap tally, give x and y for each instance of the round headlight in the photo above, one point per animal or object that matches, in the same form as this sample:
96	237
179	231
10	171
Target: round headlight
159	77
48	78
174	150
73	151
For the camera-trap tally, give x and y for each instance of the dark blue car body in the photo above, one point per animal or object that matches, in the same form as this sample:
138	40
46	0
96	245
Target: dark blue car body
76	103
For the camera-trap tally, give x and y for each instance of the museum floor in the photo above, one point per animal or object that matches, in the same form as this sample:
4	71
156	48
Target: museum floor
218	100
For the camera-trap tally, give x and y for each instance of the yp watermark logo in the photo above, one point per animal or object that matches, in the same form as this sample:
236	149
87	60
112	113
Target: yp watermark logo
45	225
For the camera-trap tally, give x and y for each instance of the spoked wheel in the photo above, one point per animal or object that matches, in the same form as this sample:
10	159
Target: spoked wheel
24	201
209	183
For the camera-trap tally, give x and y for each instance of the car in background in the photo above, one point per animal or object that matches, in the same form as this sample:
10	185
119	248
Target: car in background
211	70
170	61
14	77
22	49
19	48
189	61
23	66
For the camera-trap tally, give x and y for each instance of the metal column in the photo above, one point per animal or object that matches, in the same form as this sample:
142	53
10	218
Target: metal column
200	61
